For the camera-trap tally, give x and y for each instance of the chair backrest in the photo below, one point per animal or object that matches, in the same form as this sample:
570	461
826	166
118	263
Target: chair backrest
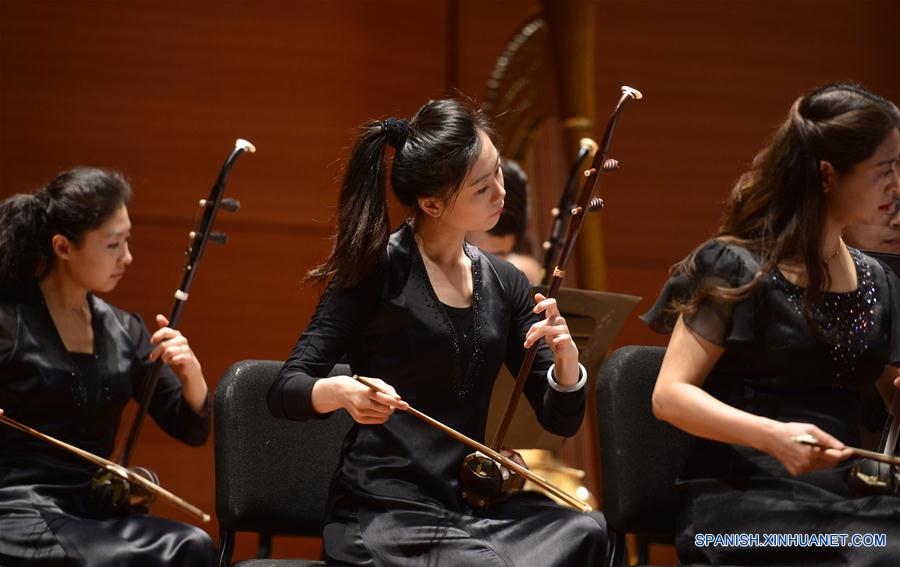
594	319
272	475
640	456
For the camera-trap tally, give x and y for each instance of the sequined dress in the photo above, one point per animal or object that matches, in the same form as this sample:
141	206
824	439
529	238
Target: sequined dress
395	497
776	366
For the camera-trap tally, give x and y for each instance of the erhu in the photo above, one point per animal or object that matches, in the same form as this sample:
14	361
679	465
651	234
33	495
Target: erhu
875	472
484	480
112	491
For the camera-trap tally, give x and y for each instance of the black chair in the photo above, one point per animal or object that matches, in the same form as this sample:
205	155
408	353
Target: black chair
640	456
272	475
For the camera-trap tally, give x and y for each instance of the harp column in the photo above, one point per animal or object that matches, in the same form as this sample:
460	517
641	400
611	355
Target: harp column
571	25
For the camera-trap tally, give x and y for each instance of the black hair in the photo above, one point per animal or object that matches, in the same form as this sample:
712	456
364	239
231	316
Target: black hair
433	154
777	209
73	203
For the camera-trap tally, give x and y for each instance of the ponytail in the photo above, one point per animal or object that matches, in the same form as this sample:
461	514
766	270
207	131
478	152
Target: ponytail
24	245
363	226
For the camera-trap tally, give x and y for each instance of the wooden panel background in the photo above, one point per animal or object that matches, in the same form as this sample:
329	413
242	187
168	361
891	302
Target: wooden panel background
160	90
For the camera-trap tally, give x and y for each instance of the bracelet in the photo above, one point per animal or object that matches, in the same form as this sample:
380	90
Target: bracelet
566	388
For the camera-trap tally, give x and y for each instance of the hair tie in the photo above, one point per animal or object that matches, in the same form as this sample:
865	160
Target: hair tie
395	131
42	203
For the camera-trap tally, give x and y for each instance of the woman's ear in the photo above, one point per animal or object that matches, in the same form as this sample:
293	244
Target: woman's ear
431	206
61	246
829	176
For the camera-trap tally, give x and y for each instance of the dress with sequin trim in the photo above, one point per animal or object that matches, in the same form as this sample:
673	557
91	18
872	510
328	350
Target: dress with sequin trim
778	366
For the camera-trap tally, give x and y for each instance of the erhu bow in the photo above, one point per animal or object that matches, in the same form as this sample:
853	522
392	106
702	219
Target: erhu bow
875	472
483	479
110	488
126	477
495	456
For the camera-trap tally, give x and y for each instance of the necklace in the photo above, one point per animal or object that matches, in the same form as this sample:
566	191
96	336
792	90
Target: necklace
837	251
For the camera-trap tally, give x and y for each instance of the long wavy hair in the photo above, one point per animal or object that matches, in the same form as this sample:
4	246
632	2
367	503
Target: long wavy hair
432	157
73	203
777	209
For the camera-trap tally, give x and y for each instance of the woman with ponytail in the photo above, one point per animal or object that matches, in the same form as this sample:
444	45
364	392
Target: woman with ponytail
776	327
69	362
432	318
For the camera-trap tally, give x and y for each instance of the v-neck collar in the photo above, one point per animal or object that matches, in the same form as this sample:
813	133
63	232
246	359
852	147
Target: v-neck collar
462	378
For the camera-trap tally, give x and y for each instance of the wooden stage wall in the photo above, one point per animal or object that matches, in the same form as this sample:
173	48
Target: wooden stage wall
160	90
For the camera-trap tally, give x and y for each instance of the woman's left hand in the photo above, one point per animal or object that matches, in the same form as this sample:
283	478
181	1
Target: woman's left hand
555	332
173	349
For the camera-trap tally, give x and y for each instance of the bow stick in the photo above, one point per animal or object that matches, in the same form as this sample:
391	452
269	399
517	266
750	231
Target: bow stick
857	452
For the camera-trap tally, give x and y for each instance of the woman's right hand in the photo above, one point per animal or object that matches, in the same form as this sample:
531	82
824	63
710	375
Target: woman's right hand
362	403
798	458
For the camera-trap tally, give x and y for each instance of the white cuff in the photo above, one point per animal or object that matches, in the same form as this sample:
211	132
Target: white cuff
564	387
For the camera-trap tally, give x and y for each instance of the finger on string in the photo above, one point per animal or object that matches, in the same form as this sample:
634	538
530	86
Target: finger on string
548	307
163	335
179	359
157	352
544	332
561	338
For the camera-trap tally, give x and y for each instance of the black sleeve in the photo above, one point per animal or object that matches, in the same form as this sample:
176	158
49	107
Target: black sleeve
893	286
9	324
558	412
715	264
168	406
336	324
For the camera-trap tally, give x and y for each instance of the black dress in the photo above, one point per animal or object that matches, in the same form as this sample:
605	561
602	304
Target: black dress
775	366
46	513
395	497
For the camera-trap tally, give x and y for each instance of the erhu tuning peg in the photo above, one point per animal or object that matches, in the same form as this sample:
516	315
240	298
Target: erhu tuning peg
231	205
218	237
610	165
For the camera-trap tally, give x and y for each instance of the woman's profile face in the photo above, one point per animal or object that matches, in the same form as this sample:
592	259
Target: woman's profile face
870	187
881	233
479	202
99	261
